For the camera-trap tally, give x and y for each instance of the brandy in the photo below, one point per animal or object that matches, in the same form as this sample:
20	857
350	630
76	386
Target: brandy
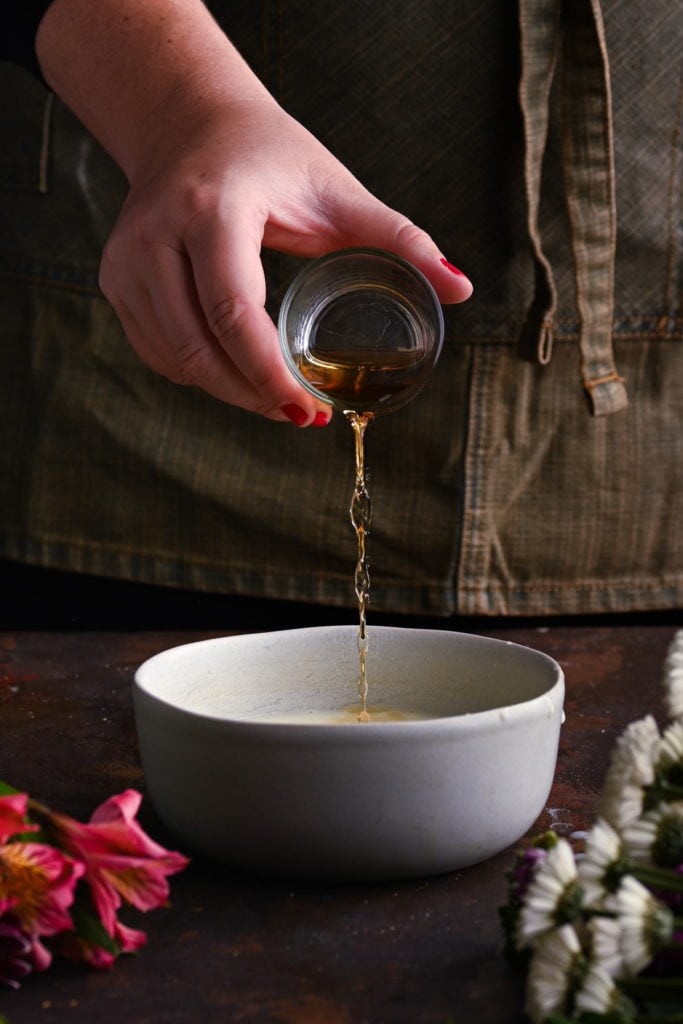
369	384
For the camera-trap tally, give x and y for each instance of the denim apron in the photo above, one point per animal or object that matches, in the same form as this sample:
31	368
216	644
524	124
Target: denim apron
541	469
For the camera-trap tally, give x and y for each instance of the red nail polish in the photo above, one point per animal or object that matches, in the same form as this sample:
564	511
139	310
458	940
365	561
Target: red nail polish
449	266
295	413
321	419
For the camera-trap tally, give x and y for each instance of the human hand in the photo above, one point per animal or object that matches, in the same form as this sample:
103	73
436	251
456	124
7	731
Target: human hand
217	170
183	269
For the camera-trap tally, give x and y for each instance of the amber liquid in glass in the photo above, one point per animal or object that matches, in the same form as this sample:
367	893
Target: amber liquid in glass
369	384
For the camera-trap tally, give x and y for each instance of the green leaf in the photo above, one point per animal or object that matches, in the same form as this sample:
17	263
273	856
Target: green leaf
6	790
31	837
91	930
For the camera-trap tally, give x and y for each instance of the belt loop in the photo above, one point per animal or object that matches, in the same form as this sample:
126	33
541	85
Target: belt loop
588	159
45	143
539	23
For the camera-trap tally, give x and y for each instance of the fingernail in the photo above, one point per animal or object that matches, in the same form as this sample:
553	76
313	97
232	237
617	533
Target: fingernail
321	419
453	270
295	413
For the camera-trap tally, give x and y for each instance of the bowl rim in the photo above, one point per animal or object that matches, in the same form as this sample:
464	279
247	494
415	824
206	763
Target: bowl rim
475	721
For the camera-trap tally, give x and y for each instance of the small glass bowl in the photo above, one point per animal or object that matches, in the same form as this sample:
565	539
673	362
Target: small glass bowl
361	329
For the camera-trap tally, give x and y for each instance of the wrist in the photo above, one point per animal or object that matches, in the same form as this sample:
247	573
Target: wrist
135	71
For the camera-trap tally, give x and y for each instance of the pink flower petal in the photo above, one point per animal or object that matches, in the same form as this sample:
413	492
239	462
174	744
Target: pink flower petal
130	939
75	947
12	815
42	958
86	950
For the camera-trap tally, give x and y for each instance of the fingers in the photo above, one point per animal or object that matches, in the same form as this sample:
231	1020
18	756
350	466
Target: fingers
404	238
226	263
228	346
369	222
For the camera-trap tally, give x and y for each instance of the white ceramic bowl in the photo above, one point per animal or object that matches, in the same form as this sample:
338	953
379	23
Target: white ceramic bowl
360	801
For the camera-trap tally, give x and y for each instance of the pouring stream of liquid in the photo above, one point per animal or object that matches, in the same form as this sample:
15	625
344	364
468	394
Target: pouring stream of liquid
360	512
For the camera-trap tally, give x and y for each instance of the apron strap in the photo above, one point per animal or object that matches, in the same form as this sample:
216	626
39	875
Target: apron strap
589	180
574	32
539	22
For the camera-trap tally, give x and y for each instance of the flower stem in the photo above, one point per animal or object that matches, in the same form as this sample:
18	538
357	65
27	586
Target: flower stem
654	988
657	878
659	1018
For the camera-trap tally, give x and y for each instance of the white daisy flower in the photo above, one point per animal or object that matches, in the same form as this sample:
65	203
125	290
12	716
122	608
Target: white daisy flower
673	677
599	993
657	837
670	750
601	868
621	802
604	944
638	746
555	966
631	769
645	924
668	767
640	837
553	895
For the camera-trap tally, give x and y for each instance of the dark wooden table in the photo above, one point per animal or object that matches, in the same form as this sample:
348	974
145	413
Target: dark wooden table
233	948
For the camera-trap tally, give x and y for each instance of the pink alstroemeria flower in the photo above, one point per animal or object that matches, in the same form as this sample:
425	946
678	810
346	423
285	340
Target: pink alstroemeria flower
37	886
121	861
80	948
12	815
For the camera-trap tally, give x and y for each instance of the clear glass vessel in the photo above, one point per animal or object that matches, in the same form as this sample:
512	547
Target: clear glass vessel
361	329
